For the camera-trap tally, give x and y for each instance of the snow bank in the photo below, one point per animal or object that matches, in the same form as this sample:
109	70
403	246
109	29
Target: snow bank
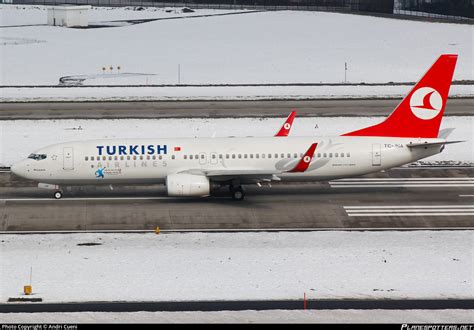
263	47
274	316
19	138
209	93
239	266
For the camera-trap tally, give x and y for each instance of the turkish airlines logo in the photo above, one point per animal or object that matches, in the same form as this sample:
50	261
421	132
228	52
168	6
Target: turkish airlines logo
426	103
306	159
287	126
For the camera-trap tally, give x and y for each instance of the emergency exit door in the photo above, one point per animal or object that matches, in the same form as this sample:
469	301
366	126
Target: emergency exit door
376	155
68	159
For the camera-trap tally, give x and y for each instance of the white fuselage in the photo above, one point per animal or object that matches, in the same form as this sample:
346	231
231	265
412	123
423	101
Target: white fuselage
152	160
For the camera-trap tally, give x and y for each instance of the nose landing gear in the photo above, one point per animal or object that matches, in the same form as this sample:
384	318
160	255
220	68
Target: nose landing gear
58	194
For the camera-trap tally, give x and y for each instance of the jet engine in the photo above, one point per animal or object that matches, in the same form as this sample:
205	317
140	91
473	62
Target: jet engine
183	184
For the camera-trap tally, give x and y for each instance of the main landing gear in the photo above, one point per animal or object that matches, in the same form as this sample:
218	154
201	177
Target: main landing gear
58	194
238	193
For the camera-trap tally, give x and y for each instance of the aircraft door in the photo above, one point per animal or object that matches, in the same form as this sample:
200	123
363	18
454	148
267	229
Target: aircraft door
214	158
376	155
68	158
202	158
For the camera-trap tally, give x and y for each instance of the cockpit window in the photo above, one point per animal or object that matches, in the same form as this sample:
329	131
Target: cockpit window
37	156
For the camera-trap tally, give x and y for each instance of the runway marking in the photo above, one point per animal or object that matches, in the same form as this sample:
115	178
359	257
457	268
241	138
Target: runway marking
408	206
466	195
408	214
400	185
400	182
434	182
409	210
406	179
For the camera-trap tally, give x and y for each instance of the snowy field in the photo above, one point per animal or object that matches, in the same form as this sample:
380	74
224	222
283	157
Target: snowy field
19	138
262	47
239	266
212	93
274	316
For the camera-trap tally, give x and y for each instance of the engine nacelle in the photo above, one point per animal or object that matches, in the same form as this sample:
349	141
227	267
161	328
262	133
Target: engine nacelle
184	184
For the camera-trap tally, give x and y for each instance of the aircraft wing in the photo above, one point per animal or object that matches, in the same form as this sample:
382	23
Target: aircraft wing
255	175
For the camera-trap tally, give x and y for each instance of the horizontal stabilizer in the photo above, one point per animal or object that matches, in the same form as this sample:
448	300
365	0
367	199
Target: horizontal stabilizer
430	144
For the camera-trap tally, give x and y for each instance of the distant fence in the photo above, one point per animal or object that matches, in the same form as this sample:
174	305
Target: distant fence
436	8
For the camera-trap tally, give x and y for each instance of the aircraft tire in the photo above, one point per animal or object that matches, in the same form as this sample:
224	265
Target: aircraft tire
238	194
58	195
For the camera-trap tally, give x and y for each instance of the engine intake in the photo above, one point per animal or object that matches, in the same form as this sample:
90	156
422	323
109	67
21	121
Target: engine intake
188	185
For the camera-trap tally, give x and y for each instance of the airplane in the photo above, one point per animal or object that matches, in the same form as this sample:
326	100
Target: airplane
194	167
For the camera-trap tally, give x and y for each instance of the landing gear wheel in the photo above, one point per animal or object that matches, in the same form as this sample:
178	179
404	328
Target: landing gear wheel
238	194
58	195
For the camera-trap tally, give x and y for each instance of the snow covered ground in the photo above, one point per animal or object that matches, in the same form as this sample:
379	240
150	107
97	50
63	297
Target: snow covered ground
262	47
274	316
210	93
19	138
239	266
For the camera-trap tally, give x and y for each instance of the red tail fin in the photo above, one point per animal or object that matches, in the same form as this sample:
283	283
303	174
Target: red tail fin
420	112
285	129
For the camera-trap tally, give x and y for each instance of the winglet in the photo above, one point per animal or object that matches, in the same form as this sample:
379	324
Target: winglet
303	164
285	129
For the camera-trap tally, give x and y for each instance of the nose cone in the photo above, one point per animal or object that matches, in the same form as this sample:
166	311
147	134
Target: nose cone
18	169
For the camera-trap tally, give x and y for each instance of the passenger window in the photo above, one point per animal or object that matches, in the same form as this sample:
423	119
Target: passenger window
336	155
87	158
213	156
172	157
128	157
325	155
240	156
197	157
251	155
134	157
282	155
227	156
245	156
121	157
288	156
220	156
269	155
116	158
202	157
319	155
190	156
233	156
160	157
276	155
301	155
348	154
257	155
342	154
330	155
295	155
110	157
104	158
185	156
